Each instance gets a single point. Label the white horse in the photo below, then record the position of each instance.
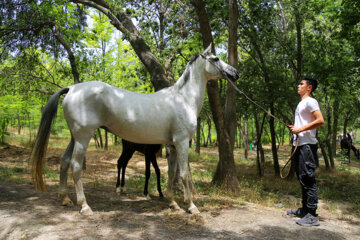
(164, 117)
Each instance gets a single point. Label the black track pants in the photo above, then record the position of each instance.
(306, 160)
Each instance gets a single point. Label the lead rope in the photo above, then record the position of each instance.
(255, 103)
(289, 160)
(271, 115)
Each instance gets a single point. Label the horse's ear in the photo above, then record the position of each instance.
(208, 49)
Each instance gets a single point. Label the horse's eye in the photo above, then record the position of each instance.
(216, 59)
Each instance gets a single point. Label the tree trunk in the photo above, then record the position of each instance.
(19, 124)
(292, 164)
(203, 137)
(282, 135)
(298, 23)
(29, 128)
(208, 141)
(225, 174)
(346, 120)
(244, 134)
(259, 150)
(328, 133)
(106, 140)
(336, 108)
(100, 138)
(328, 145)
(273, 145)
(197, 147)
(230, 104)
(323, 152)
(241, 143)
(97, 145)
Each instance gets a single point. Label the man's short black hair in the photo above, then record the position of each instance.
(311, 81)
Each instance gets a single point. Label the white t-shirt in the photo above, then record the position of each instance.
(303, 116)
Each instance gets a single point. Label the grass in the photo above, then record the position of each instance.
(51, 174)
(12, 174)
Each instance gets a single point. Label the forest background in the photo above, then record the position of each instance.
(144, 46)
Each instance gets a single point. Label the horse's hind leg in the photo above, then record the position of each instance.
(76, 166)
(172, 166)
(64, 167)
(182, 150)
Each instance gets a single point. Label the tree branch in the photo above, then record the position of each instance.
(124, 24)
(70, 53)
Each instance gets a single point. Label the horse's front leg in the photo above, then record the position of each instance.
(182, 150)
(172, 166)
(76, 165)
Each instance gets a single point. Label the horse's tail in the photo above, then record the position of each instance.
(38, 154)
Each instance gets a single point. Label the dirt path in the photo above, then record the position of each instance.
(27, 214)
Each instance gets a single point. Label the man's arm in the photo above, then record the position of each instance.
(319, 121)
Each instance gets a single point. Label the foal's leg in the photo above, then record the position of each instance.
(172, 166)
(64, 167)
(119, 164)
(157, 171)
(76, 166)
(148, 159)
(122, 164)
(182, 150)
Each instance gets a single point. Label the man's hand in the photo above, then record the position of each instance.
(295, 130)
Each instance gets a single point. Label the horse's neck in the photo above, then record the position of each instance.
(191, 86)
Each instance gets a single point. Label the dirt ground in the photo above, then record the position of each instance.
(27, 214)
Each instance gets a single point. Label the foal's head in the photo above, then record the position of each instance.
(216, 69)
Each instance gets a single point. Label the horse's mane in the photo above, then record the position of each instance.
(193, 58)
(186, 74)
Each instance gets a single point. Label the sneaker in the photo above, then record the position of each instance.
(309, 221)
(296, 213)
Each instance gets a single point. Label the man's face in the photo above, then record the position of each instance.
(303, 87)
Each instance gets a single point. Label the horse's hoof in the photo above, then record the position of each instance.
(194, 210)
(67, 202)
(86, 211)
(118, 191)
(173, 205)
(148, 197)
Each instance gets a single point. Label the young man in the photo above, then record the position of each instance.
(308, 118)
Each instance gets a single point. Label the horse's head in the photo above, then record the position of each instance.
(216, 69)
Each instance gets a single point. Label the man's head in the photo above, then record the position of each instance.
(311, 82)
(306, 86)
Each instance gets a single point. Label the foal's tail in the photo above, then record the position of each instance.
(37, 158)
